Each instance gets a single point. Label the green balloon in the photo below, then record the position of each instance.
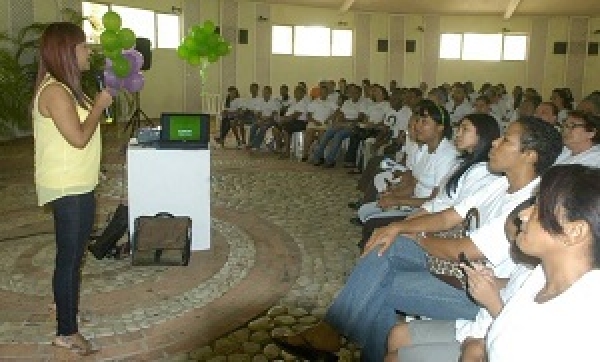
(109, 40)
(126, 38)
(111, 21)
(121, 66)
(112, 54)
(222, 49)
(213, 58)
(209, 26)
(196, 31)
(195, 60)
(183, 52)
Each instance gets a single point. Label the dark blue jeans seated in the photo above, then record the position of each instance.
(73, 222)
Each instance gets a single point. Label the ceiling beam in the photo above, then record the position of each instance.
(346, 5)
(510, 9)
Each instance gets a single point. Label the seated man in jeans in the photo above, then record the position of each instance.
(320, 113)
(393, 274)
(341, 129)
(267, 110)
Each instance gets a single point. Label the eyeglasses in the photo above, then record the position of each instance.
(572, 125)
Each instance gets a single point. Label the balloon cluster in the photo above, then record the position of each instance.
(203, 44)
(123, 62)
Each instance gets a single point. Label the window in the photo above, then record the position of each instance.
(341, 43)
(311, 41)
(282, 39)
(515, 47)
(486, 47)
(450, 45)
(168, 31)
(482, 47)
(163, 30)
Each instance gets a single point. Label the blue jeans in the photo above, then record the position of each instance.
(73, 223)
(257, 133)
(336, 136)
(365, 309)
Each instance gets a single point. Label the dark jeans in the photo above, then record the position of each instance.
(73, 222)
(225, 127)
(358, 135)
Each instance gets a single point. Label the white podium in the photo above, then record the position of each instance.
(173, 181)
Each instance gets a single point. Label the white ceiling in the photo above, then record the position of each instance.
(458, 7)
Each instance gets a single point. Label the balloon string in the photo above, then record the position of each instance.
(202, 70)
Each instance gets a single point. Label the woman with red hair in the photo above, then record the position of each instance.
(67, 164)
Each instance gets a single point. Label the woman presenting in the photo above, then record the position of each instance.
(67, 164)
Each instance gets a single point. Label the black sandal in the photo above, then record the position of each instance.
(305, 350)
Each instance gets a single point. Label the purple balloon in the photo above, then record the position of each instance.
(134, 82)
(111, 81)
(135, 59)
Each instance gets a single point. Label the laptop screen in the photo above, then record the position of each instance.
(185, 128)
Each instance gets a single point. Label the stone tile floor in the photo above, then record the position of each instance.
(281, 249)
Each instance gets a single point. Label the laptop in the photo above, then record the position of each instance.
(184, 130)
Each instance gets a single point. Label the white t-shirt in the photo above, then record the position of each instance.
(376, 112)
(561, 329)
(471, 181)
(478, 328)
(494, 203)
(321, 110)
(333, 97)
(365, 103)
(430, 168)
(397, 120)
(235, 105)
(413, 151)
(267, 108)
(253, 104)
(300, 106)
(350, 109)
(589, 157)
(283, 103)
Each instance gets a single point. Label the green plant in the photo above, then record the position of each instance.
(18, 68)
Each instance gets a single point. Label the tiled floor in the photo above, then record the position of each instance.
(279, 237)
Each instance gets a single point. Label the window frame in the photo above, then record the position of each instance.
(502, 46)
(293, 41)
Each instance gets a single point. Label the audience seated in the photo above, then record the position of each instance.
(459, 106)
(268, 110)
(438, 157)
(440, 340)
(393, 274)
(563, 100)
(581, 138)
(233, 105)
(473, 140)
(321, 113)
(340, 129)
(294, 120)
(248, 112)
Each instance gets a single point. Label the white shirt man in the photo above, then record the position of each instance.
(321, 110)
(267, 108)
(351, 109)
(397, 120)
(300, 106)
(376, 112)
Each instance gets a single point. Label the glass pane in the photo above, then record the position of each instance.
(93, 28)
(482, 46)
(139, 20)
(312, 41)
(515, 47)
(341, 43)
(168, 31)
(450, 45)
(281, 39)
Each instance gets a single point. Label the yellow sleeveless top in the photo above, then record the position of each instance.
(61, 169)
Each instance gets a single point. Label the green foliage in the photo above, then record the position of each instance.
(18, 68)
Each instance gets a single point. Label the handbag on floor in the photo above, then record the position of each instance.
(162, 239)
(450, 271)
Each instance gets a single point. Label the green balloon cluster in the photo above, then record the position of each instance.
(202, 45)
(114, 40)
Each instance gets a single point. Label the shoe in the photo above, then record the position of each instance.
(75, 343)
(320, 342)
(354, 172)
(356, 221)
(349, 165)
(329, 165)
(355, 205)
(304, 159)
(319, 162)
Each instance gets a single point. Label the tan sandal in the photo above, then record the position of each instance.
(75, 343)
